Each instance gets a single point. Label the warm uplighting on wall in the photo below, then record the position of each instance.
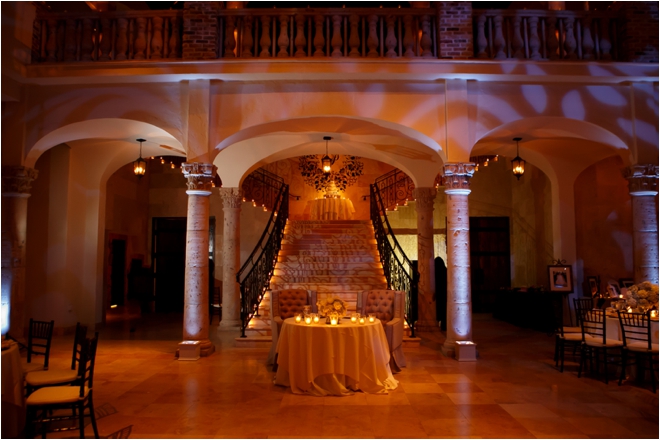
(326, 161)
(518, 163)
(140, 165)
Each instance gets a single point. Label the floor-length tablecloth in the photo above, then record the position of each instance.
(322, 360)
(13, 402)
(613, 330)
(331, 209)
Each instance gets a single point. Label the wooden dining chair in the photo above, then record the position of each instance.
(636, 336)
(566, 337)
(388, 306)
(43, 404)
(596, 344)
(286, 303)
(40, 336)
(59, 376)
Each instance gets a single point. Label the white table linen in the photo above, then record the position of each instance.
(331, 209)
(323, 360)
(613, 329)
(13, 401)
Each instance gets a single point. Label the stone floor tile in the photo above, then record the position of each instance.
(425, 388)
(528, 410)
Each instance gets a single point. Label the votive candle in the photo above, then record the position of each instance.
(353, 319)
(654, 313)
(308, 320)
(372, 318)
(333, 321)
(298, 318)
(362, 320)
(316, 319)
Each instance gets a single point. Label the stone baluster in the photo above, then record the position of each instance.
(498, 42)
(51, 43)
(157, 38)
(175, 38)
(105, 45)
(248, 40)
(482, 42)
(456, 181)
(16, 185)
(390, 39)
(231, 247)
(301, 39)
(643, 186)
(70, 40)
(283, 39)
(122, 39)
(553, 42)
(426, 43)
(408, 39)
(336, 40)
(372, 39)
(604, 42)
(569, 41)
(230, 39)
(265, 41)
(319, 38)
(534, 42)
(354, 38)
(587, 40)
(87, 39)
(141, 38)
(196, 294)
(517, 44)
(424, 200)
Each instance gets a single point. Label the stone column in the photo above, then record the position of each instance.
(456, 181)
(643, 184)
(196, 306)
(16, 181)
(231, 258)
(426, 319)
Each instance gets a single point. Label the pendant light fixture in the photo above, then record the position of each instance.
(518, 164)
(140, 165)
(326, 161)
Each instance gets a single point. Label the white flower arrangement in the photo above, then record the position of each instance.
(643, 296)
(332, 305)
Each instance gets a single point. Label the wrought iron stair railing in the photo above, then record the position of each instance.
(254, 276)
(399, 270)
(262, 188)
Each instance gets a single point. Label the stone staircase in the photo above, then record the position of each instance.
(336, 258)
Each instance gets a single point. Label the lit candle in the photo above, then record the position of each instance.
(629, 310)
(620, 295)
(308, 320)
(298, 318)
(354, 318)
(316, 319)
(654, 313)
(372, 318)
(362, 320)
(333, 321)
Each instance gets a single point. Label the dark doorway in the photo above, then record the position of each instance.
(117, 272)
(490, 260)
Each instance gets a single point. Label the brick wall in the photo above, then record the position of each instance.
(200, 30)
(455, 29)
(638, 31)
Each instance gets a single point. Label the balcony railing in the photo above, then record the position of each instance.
(539, 35)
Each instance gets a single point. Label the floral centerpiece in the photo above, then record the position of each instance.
(331, 305)
(642, 296)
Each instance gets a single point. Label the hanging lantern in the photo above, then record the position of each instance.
(140, 165)
(326, 161)
(518, 164)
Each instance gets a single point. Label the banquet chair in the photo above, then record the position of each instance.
(636, 336)
(59, 376)
(285, 304)
(581, 305)
(595, 342)
(45, 405)
(388, 306)
(565, 336)
(40, 336)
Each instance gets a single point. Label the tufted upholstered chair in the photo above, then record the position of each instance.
(387, 305)
(285, 304)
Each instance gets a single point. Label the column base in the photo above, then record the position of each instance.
(207, 348)
(427, 326)
(229, 326)
(448, 349)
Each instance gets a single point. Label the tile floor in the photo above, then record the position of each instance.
(512, 391)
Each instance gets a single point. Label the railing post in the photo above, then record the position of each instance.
(372, 39)
(336, 36)
(354, 39)
(175, 38)
(157, 38)
(534, 43)
(319, 39)
(553, 42)
(482, 42)
(517, 41)
(300, 41)
(283, 40)
(605, 43)
(51, 45)
(587, 41)
(570, 44)
(140, 40)
(408, 39)
(265, 37)
(230, 39)
(390, 39)
(426, 43)
(499, 41)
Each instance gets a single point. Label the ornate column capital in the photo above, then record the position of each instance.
(456, 178)
(642, 179)
(231, 197)
(424, 198)
(17, 180)
(200, 177)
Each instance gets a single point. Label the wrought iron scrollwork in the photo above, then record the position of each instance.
(261, 188)
(395, 188)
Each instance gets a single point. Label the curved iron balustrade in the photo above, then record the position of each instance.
(254, 276)
(399, 270)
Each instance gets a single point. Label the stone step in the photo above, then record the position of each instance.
(328, 222)
(327, 287)
(325, 258)
(330, 240)
(339, 252)
(329, 247)
(284, 271)
(289, 266)
(328, 279)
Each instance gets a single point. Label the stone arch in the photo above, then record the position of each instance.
(412, 152)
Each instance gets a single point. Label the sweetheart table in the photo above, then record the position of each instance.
(322, 360)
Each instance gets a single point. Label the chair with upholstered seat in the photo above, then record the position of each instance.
(566, 337)
(285, 304)
(58, 376)
(595, 342)
(44, 405)
(388, 306)
(40, 335)
(637, 340)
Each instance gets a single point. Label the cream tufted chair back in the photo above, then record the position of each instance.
(286, 303)
(387, 305)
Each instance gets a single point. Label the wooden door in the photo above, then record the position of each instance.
(168, 256)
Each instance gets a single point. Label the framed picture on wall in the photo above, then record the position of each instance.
(613, 289)
(594, 286)
(561, 278)
(626, 282)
